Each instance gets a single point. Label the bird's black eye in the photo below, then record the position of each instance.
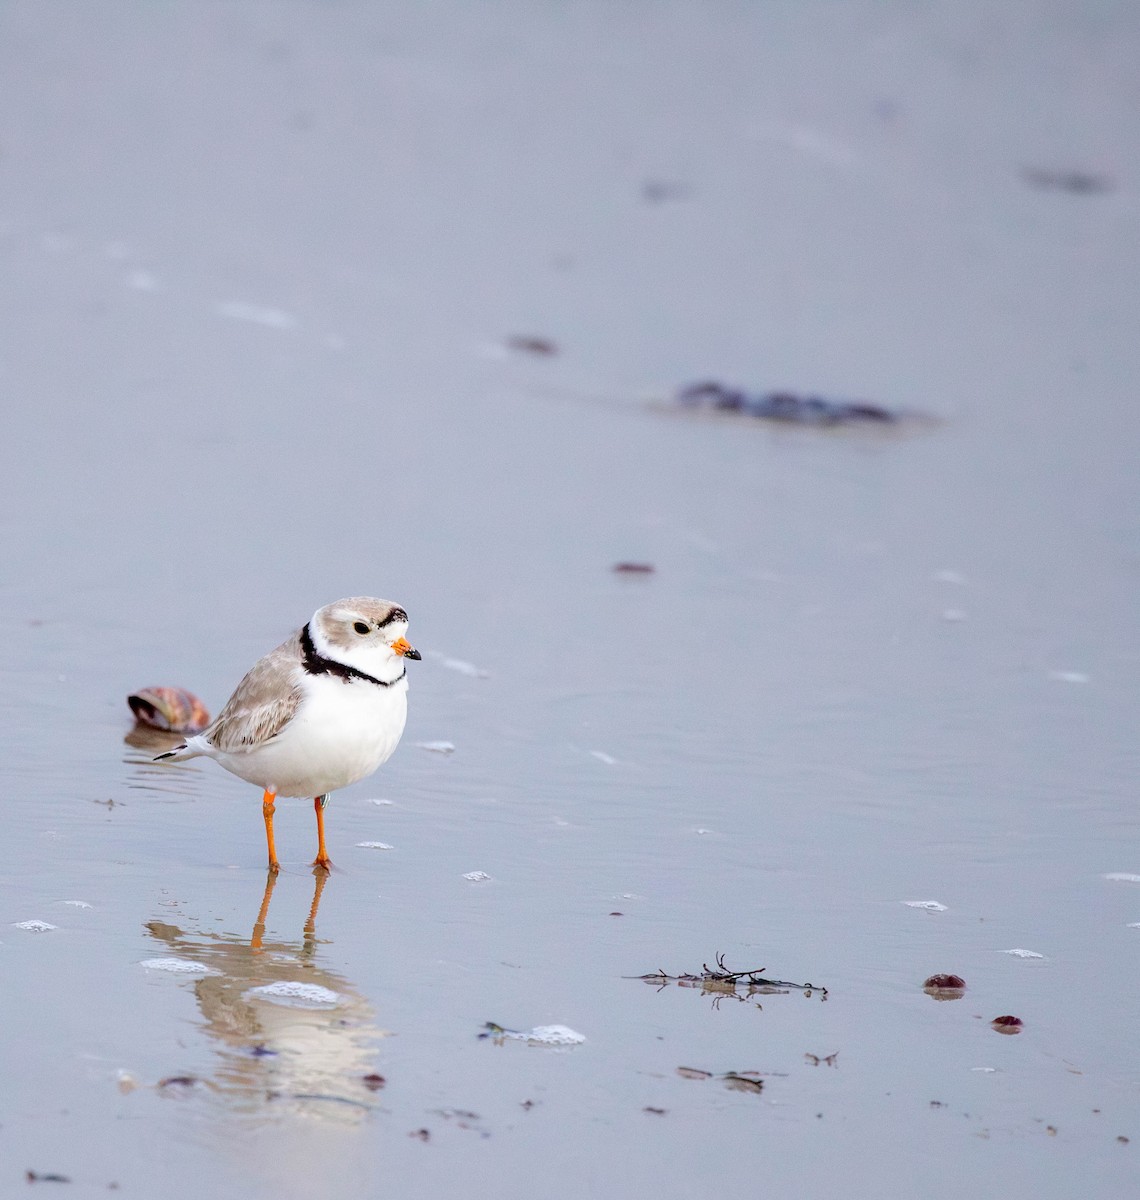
(360, 628)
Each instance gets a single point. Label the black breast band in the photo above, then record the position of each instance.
(318, 664)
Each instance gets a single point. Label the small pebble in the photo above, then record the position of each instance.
(541, 346)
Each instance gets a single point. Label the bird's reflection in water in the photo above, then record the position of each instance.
(293, 1036)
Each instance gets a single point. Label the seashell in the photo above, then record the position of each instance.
(1007, 1024)
(945, 987)
(174, 709)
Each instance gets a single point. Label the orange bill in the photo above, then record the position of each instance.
(401, 647)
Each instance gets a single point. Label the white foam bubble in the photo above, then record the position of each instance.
(295, 995)
(35, 926)
(1122, 877)
(375, 846)
(477, 876)
(176, 966)
(461, 666)
(438, 747)
(1019, 953)
(928, 905)
(554, 1035)
(272, 318)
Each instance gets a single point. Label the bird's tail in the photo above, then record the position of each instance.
(180, 753)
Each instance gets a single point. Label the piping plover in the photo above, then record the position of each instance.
(323, 710)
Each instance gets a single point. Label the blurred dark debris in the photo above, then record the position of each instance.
(463, 1120)
(661, 191)
(743, 1081)
(45, 1177)
(738, 1081)
(1077, 183)
(540, 346)
(787, 407)
(693, 1073)
(721, 979)
(886, 108)
(424, 1135)
(1008, 1024)
(633, 568)
(373, 1082)
(828, 1060)
(945, 987)
(657, 1112)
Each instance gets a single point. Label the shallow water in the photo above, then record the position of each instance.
(260, 268)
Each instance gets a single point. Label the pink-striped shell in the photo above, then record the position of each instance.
(170, 708)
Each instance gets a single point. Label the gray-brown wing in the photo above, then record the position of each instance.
(263, 703)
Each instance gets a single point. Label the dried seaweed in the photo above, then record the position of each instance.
(721, 978)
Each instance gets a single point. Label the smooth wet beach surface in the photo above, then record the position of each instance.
(311, 300)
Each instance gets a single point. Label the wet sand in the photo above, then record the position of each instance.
(262, 269)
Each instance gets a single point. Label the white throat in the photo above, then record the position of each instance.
(372, 658)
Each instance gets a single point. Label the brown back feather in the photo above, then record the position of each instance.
(258, 710)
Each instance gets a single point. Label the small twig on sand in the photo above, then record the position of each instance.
(721, 974)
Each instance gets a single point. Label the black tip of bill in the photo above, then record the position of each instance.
(415, 654)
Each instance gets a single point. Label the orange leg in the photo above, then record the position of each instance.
(263, 912)
(322, 859)
(321, 875)
(268, 808)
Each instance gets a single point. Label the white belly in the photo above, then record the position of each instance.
(341, 733)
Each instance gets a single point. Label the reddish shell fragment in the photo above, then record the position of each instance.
(945, 987)
(173, 709)
(1008, 1024)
